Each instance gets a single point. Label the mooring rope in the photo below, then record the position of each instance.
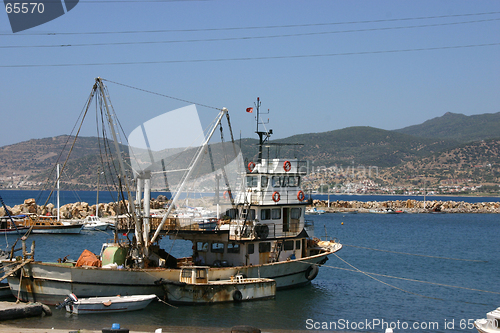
(414, 254)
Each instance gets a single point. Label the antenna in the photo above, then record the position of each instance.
(263, 136)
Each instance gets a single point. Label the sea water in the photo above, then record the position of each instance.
(456, 258)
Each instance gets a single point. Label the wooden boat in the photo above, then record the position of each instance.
(7, 227)
(108, 304)
(49, 224)
(194, 287)
(491, 324)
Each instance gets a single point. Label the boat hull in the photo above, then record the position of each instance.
(110, 304)
(50, 282)
(59, 229)
(222, 291)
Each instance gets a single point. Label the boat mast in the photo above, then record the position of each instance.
(57, 193)
(188, 175)
(263, 136)
(122, 173)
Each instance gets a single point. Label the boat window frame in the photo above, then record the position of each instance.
(233, 248)
(265, 214)
(215, 249)
(251, 248)
(288, 245)
(203, 247)
(252, 181)
(264, 247)
(278, 216)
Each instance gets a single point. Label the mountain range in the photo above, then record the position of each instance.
(450, 142)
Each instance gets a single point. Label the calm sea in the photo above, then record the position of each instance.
(16, 197)
(456, 255)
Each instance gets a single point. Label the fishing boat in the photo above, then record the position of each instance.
(261, 229)
(491, 324)
(194, 287)
(94, 223)
(75, 305)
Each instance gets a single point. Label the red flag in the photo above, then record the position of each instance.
(249, 110)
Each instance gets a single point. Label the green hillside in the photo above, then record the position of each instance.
(458, 127)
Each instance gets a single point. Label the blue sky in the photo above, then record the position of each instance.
(318, 65)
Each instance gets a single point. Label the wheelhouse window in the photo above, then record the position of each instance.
(218, 247)
(265, 214)
(232, 213)
(263, 181)
(288, 245)
(276, 213)
(297, 244)
(296, 212)
(252, 181)
(285, 181)
(250, 248)
(250, 214)
(202, 246)
(233, 248)
(186, 273)
(264, 247)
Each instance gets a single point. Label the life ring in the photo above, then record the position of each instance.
(276, 196)
(287, 166)
(237, 296)
(301, 196)
(312, 272)
(227, 194)
(251, 166)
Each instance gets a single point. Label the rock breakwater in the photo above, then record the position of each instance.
(410, 206)
(80, 210)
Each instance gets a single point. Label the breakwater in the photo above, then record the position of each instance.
(409, 206)
(80, 210)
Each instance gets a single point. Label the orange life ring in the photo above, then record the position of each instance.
(227, 194)
(251, 166)
(301, 196)
(287, 166)
(276, 196)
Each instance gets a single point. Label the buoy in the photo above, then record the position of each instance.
(342, 223)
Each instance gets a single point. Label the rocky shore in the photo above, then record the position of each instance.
(80, 210)
(409, 206)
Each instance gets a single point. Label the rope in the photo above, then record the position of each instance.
(159, 299)
(413, 254)
(162, 95)
(407, 279)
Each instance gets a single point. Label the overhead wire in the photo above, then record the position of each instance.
(254, 58)
(255, 27)
(248, 37)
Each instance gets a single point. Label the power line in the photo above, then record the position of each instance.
(254, 58)
(250, 27)
(250, 37)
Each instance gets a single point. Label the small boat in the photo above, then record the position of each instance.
(491, 324)
(314, 211)
(385, 211)
(194, 287)
(108, 304)
(94, 223)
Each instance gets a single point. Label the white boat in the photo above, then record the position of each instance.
(491, 324)
(194, 287)
(94, 223)
(314, 211)
(261, 231)
(108, 304)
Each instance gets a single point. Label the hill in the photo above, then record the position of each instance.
(475, 163)
(458, 127)
(363, 145)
